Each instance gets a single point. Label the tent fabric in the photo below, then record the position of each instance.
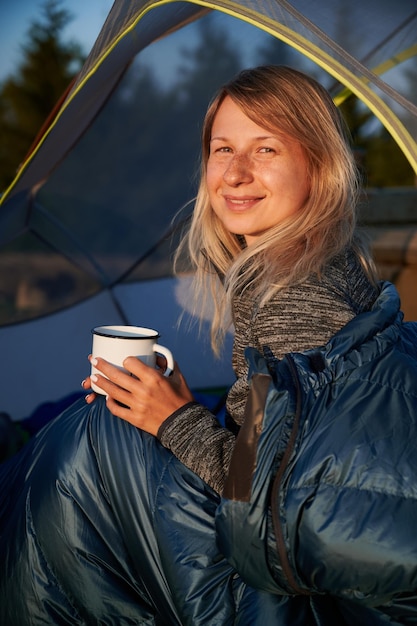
(130, 27)
(87, 206)
(47, 357)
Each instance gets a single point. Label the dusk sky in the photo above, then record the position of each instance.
(16, 17)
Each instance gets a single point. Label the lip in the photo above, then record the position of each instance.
(240, 204)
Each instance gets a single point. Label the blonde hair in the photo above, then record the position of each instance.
(280, 99)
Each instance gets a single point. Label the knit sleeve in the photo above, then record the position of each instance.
(198, 440)
(308, 315)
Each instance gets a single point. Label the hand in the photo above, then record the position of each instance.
(144, 397)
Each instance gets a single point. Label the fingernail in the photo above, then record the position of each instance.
(82, 383)
(94, 378)
(93, 361)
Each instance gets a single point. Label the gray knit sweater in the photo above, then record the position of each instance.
(301, 317)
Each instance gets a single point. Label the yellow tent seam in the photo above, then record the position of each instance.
(380, 69)
(389, 120)
(290, 37)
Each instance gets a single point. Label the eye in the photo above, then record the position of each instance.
(220, 152)
(266, 150)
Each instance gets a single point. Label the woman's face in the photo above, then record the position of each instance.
(255, 178)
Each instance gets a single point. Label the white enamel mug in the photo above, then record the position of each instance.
(115, 343)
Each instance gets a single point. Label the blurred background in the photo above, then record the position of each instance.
(43, 45)
(109, 217)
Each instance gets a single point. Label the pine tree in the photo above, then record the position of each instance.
(28, 97)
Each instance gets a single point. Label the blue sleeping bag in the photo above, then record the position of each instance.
(99, 524)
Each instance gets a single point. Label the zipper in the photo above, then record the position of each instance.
(276, 486)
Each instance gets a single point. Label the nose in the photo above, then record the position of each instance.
(238, 170)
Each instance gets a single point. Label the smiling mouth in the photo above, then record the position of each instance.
(241, 203)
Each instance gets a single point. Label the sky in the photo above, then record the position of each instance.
(16, 17)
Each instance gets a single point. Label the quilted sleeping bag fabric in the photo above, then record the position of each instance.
(100, 524)
(327, 505)
(92, 530)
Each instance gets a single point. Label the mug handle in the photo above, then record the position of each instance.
(168, 355)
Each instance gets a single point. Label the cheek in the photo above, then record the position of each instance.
(212, 180)
(304, 187)
(297, 183)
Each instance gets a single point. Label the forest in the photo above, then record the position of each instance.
(50, 62)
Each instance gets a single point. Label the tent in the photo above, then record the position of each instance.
(88, 226)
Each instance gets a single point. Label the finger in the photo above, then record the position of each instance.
(141, 370)
(119, 409)
(113, 373)
(110, 386)
(113, 391)
(161, 362)
(86, 383)
(115, 382)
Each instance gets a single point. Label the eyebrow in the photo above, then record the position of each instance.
(261, 138)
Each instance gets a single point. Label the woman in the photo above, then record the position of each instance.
(123, 511)
(274, 206)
